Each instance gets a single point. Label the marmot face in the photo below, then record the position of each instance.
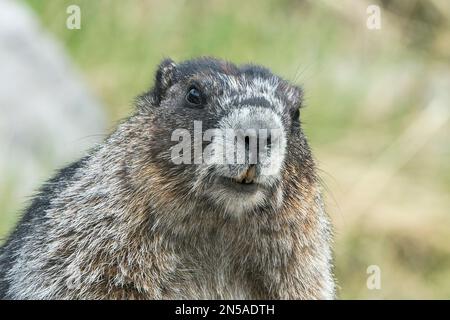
(222, 132)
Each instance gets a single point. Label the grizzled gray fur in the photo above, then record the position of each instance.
(126, 222)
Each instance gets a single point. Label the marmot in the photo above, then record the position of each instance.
(127, 222)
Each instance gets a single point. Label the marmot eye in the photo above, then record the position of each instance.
(194, 96)
(296, 115)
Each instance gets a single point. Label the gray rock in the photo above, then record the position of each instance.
(47, 116)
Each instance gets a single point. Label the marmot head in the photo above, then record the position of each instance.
(225, 134)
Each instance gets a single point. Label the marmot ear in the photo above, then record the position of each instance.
(164, 77)
(293, 93)
(296, 95)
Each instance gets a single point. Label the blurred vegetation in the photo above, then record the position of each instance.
(387, 195)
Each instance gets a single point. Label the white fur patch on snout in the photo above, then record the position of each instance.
(253, 135)
(222, 158)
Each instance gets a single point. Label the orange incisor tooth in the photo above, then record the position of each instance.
(250, 174)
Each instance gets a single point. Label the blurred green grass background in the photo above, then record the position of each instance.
(368, 96)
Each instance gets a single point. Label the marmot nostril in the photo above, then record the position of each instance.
(269, 142)
(261, 141)
(247, 143)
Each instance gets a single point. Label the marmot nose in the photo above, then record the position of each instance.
(266, 142)
(253, 148)
(252, 145)
(253, 136)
